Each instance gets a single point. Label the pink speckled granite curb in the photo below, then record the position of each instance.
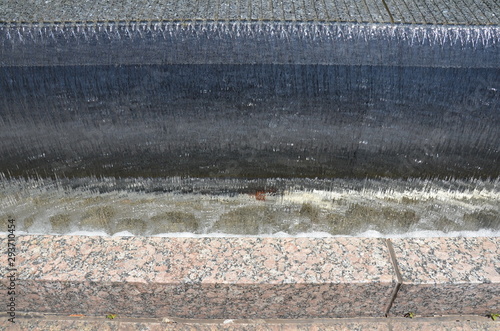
(241, 278)
(442, 276)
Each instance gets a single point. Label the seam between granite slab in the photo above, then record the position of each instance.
(392, 257)
(388, 11)
(443, 276)
(398, 275)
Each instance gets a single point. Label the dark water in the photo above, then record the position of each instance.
(250, 121)
(249, 128)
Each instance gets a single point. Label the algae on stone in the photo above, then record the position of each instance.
(98, 218)
(251, 220)
(174, 221)
(340, 225)
(484, 219)
(60, 223)
(310, 211)
(28, 222)
(389, 219)
(133, 225)
(92, 200)
(4, 222)
(359, 218)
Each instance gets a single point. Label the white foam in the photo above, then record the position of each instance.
(123, 234)
(366, 234)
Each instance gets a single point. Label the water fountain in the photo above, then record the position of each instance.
(250, 160)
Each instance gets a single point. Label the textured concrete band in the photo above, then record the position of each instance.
(478, 12)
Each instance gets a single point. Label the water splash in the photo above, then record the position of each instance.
(242, 42)
(273, 207)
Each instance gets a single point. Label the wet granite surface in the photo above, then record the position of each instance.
(448, 276)
(204, 278)
(238, 278)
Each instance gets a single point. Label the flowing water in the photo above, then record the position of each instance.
(298, 207)
(250, 128)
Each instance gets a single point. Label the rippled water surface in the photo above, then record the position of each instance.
(293, 207)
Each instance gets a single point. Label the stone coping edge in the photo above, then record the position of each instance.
(253, 278)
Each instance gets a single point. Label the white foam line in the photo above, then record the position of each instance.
(366, 234)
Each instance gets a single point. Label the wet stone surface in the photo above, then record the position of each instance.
(204, 278)
(448, 275)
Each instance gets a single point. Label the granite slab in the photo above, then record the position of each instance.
(203, 278)
(443, 276)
